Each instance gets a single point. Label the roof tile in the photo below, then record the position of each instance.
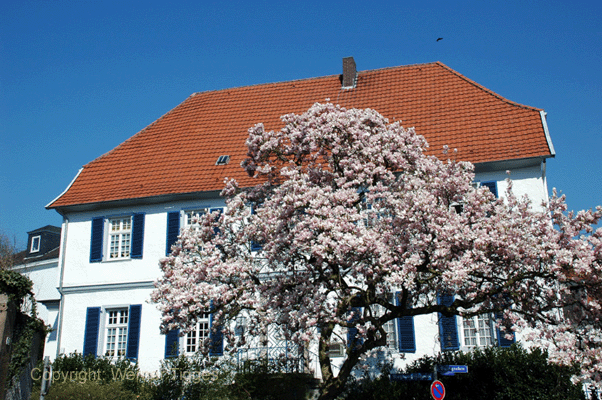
(177, 153)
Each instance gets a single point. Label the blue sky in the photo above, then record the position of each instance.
(79, 77)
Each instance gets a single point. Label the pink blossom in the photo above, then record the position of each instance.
(348, 209)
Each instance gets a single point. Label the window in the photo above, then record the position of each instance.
(117, 329)
(222, 160)
(177, 219)
(475, 332)
(35, 244)
(120, 232)
(400, 331)
(389, 326)
(194, 340)
(187, 216)
(117, 238)
(113, 331)
(336, 350)
(478, 331)
(196, 337)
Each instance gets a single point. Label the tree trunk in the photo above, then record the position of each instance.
(331, 389)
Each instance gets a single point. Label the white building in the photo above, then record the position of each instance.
(123, 210)
(40, 263)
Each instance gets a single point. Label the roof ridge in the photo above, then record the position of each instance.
(308, 79)
(483, 88)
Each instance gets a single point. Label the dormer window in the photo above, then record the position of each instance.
(223, 160)
(35, 244)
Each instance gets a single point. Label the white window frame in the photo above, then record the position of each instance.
(115, 331)
(389, 326)
(478, 331)
(119, 241)
(35, 244)
(187, 216)
(336, 349)
(194, 340)
(188, 213)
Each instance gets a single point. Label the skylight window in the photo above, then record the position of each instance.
(222, 160)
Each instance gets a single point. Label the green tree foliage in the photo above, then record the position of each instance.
(15, 285)
(493, 373)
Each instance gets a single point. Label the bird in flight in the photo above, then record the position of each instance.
(439, 39)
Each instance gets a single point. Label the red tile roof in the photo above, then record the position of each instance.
(177, 153)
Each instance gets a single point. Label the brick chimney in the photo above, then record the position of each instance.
(349, 73)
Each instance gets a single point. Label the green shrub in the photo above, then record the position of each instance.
(105, 369)
(193, 378)
(189, 378)
(93, 390)
(493, 373)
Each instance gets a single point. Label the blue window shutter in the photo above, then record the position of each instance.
(492, 186)
(255, 246)
(216, 339)
(131, 351)
(216, 230)
(173, 230)
(91, 331)
(137, 235)
(96, 239)
(406, 336)
(172, 343)
(352, 340)
(501, 339)
(448, 327)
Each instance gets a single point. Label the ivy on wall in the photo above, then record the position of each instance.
(19, 289)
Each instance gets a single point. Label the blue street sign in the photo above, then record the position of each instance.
(451, 370)
(416, 376)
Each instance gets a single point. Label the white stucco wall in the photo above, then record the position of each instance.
(116, 283)
(80, 271)
(45, 278)
(529, 181)
(125, 282)
(152, 343)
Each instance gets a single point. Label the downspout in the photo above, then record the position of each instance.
(545, 181)
(60, 288)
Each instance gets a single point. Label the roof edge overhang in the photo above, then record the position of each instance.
(32, 263)
(49, 205)
(166, 198)
(510, 164)
(138, 201)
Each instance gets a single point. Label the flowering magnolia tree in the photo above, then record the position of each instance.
(348, 210)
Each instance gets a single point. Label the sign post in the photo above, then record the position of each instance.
(438, 390)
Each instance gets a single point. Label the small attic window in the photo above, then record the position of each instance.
(35, 244)
(222, 160)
